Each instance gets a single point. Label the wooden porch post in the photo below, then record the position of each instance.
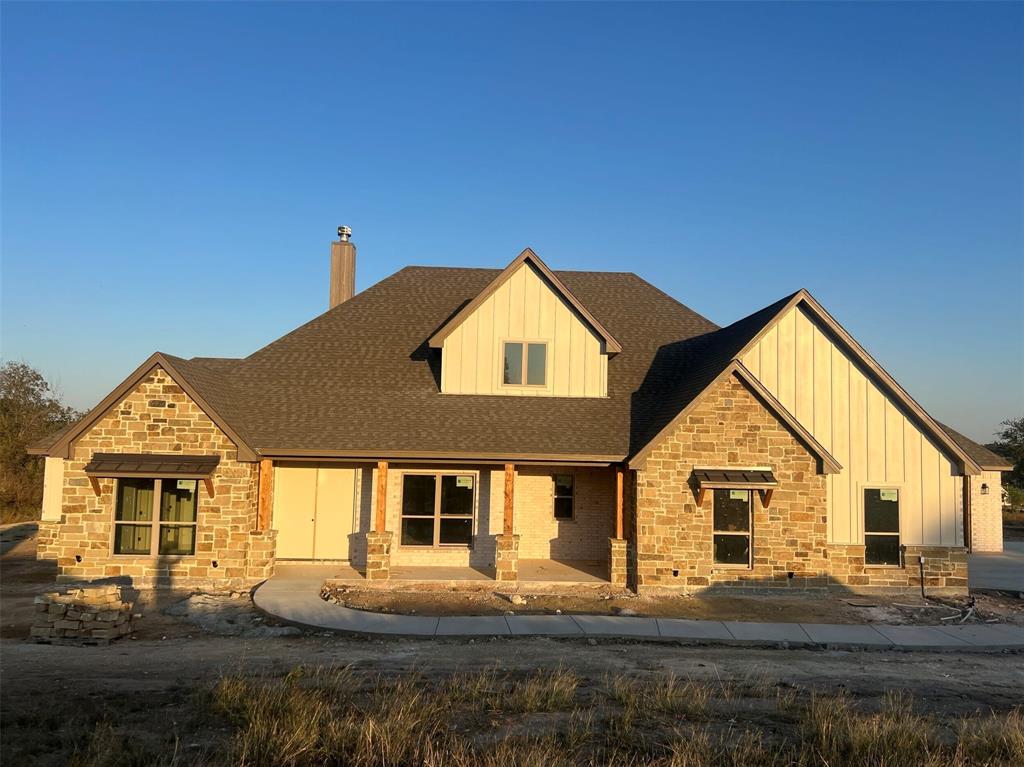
(266, 499)
(618, 501)
(510, 485)
(382, 497)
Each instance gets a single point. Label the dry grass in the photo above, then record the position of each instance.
(333, 716)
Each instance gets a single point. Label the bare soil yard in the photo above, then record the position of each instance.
(598, 600)
(211, 686)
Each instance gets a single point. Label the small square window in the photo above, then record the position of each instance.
(524, 364)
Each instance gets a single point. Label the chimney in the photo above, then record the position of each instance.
(343, 268)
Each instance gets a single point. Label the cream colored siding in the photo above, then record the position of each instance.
(864, 429)
(53, 486)
(524, 308)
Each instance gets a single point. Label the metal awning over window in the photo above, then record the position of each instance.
(762, 480)
(151, 465)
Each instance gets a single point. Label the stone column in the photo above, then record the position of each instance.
(617, 561)
(378, 556)
(506, 557)
(262, 550)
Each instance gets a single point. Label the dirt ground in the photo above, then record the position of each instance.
(600, 600)
(52, 698)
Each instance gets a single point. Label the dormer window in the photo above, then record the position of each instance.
(525, 363)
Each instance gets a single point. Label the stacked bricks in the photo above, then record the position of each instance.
(617, 561)
(987, 512)
(378, 556)
(945, 570)
(158, 417)
(86, 615)
(730, 427)
(506, 558)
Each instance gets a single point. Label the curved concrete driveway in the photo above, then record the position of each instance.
(297, 600)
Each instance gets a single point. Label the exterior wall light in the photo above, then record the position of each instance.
(984, 489)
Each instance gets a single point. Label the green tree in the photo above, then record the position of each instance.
(1010, 445)
(29, 410)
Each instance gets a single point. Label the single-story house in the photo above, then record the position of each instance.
(493, 418)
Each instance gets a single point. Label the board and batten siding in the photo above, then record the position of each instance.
(864, 429)
(524, 308)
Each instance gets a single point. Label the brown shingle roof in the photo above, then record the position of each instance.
(984, 457)
(361, 376)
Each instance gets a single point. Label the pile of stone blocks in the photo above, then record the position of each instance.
(82, 615)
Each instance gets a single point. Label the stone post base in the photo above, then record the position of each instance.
(617, 561)
(378, 556)
(506, 557)
(262, 548)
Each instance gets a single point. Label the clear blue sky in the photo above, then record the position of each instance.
(172, 174)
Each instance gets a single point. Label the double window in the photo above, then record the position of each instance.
(525, 364)
(156, 517)
(437, 509)
(565, 494)
(731, 527)
(882, 527)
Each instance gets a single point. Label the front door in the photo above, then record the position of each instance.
(313, 510)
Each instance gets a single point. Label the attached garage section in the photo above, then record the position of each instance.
(314, 510)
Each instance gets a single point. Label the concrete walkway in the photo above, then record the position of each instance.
(297, 600)
(998, 572)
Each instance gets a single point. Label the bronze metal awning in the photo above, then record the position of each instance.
(151, 465)
(762, 480)
(737, 479)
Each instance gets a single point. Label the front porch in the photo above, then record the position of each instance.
(508, 524)
(533, 572)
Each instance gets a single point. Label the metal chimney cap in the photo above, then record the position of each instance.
(344, 232)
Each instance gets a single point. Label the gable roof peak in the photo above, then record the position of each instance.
(611, 345)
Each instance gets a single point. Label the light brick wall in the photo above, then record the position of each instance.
(158, 417)
(585, 537)
(541, 536)
(987, 512)
(731, 427)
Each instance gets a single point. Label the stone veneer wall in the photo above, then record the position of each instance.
(732, 427)
(158, 417)
(987, 512)
(47, 540)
